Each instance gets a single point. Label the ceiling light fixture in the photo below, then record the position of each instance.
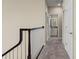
(59, 4)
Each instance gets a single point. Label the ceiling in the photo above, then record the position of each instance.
(54, 2)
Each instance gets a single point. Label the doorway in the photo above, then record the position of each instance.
(54, 22)
(54, 26)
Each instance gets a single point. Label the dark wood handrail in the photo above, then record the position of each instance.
(15, 45)
(24, 29)
(20, 41)
(39, 52)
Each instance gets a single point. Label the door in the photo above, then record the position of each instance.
(67, 27)
(54, 25)
(67, 35)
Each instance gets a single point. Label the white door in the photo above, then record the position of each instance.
(67, 28)
(68, 33)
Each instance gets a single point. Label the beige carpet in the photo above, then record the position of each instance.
(54, 49)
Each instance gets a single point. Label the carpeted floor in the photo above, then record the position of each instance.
(54, 49)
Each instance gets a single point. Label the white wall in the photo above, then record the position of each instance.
(47, 24)
(37, 41)
(57, 11)
(67, 27)
(20, 14)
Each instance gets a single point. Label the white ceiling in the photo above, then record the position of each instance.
(54, 2)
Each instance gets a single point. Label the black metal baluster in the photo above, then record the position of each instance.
(29, 44)
(21, 37)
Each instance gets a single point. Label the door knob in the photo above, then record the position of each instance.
(70, 33)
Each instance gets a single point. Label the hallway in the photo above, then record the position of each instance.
(28, 25)
(54, 49)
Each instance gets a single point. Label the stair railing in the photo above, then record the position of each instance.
(19, 43)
